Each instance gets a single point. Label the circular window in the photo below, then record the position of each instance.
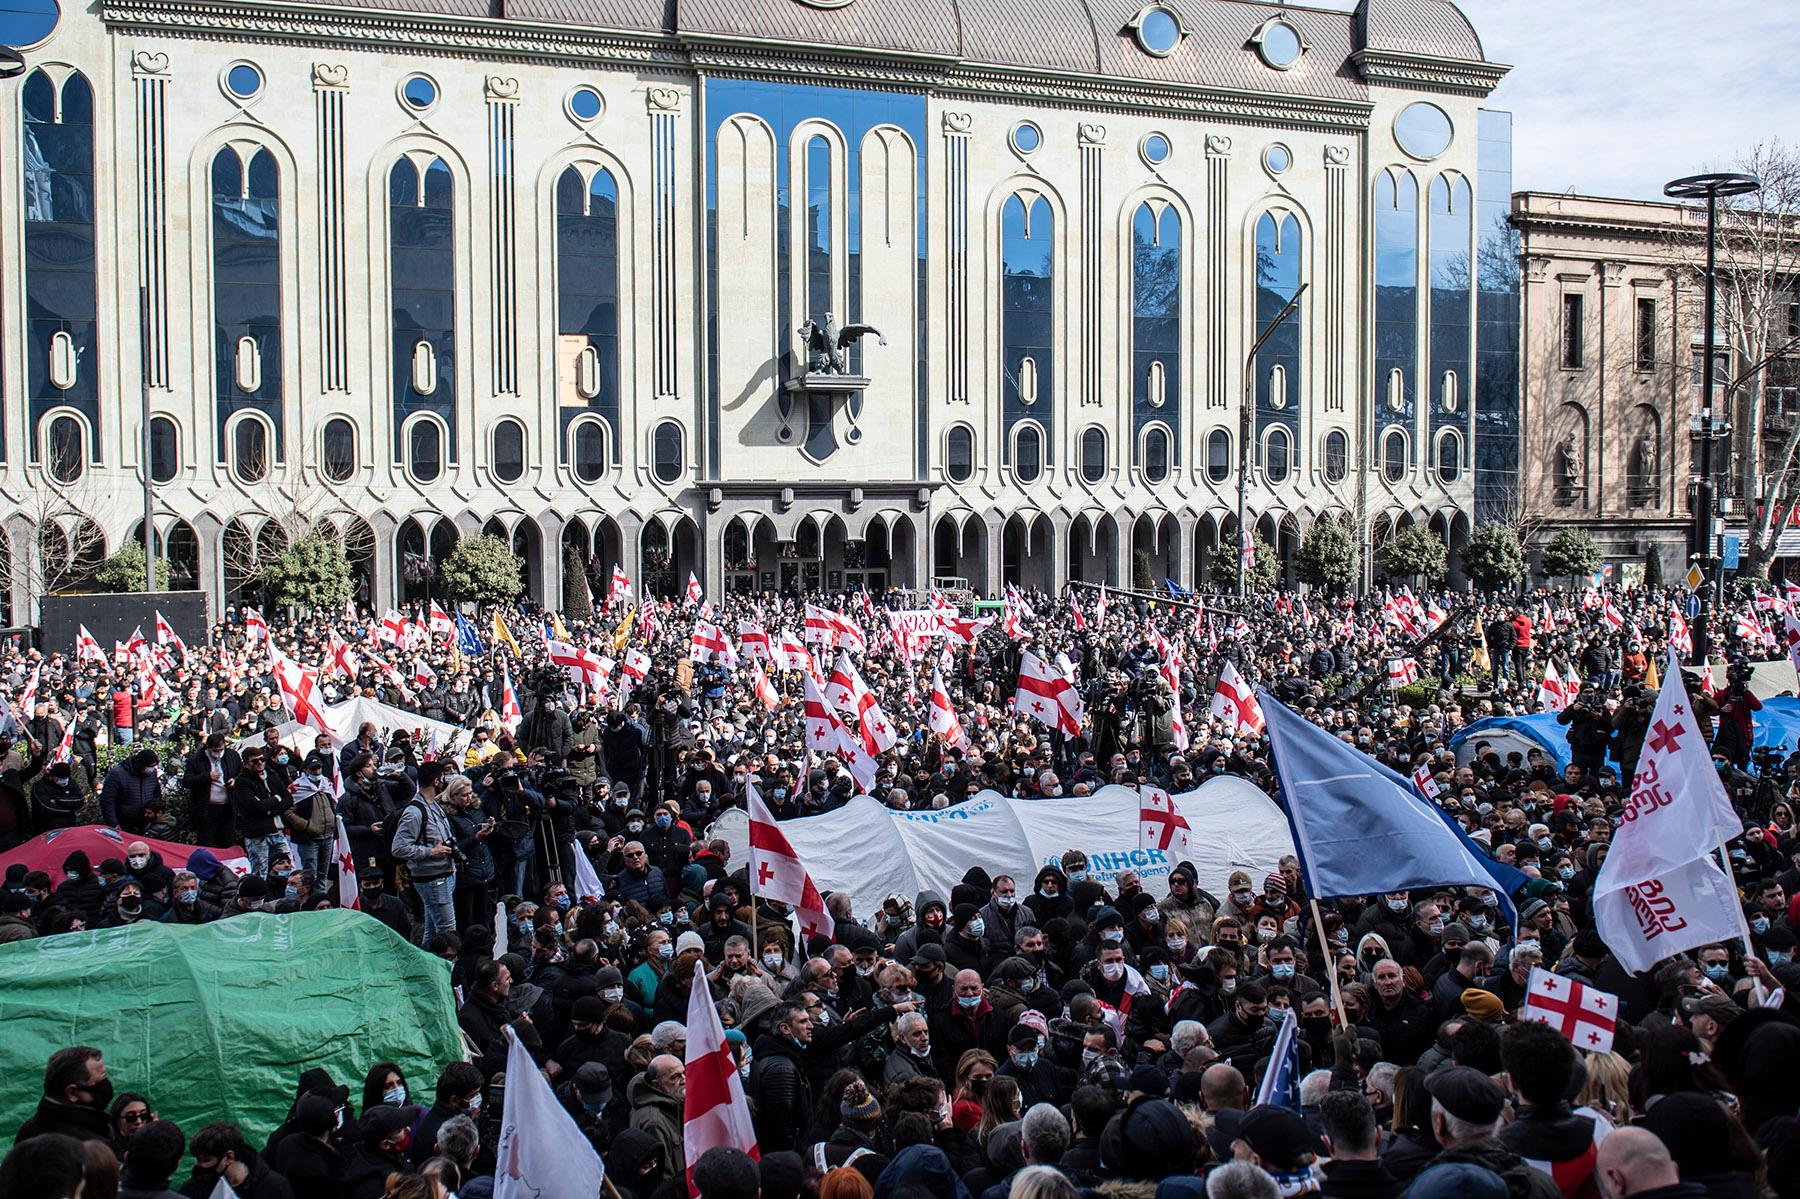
(1026, 137)
(243, 81)
(27, 22)
(585, 105)
(418, 92)
(1280, 45)
(1156, 149)
(1277, 159)
(1423, 129)
(1158, 31)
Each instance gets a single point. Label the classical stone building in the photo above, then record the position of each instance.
(538, 267)
(1611, 353)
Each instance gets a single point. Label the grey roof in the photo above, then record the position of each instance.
(1434, 27)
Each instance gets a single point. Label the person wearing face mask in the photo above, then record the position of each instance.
(383, 1137)
(1386, 917)
(970, 1023)
(129, 906)
(458, 1093)
(76, 1096)
(588, 1098)
(1049, 898)
(1028, 1066)
(965, 940)
(129, 787)
(1000, 917)
(57, 797)
(1187, 903)
(307, 1157)
(933, 915)
(81, 890)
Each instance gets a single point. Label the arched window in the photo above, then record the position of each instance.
(67, 449)
(959, 458)
(666, 452)
(1278, 258)
(1093, 454)
(338, 441)
(1156, 453)
(1278, 451)
(250, 450)
(1028, 453)
(1396, 293)
(425, 450)
(818, 227)
(1452, 290)
(1155, 312)
(57, 169)
(1449, 456)
(246, 249)
(1218, 456)
(1393, 456)
(1337, 456)
(589, 451)
(165, 449)
(422, 266)
(509, 451)
(1027, 309)
(587, 285)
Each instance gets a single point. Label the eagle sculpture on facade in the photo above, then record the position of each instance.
(825, 343)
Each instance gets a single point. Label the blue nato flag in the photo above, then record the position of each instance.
(1361, 829)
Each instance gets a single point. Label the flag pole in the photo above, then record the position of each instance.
(1331, 978)
(1731, 880)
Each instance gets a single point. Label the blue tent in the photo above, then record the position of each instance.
(1522, 733)
(1778, 723)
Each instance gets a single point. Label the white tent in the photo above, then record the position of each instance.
(349, 717)
(872, 851)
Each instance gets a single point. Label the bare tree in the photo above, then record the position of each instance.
(1758, 270)
(285, 506)
(64, 518)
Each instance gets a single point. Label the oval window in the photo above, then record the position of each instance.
(339, 444)
(1218, 456)
(1028, 454)
(1393, 456)
(959, 460)
(1156, 386)
(1278, 386)
(425, 448)
(1337, 456)
(1156, 454)
(1277, 450)
(1396, 390)
(248, 364)
(1093, 454)
(62, 360)
(1280, 45)
(250, 450)
(165, 450)
(68, 449)
(27, 21)
(1158, 32)
(1449, 464)
(666, 452)
(1028, 381)
(587, 372)
(1278, 158)
(424, 368)
(509, 451)
(1447, 391)
(590, 451)
(1423, 129)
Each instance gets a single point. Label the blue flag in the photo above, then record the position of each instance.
(1361, 829)
(1281, 1081)
(468, 641)
(1175, 589)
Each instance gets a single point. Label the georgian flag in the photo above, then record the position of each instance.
(1047, 696)
(1553, 694)
(694, 592)
(1586, 1015)
(1610, 614)
(763, 689)
(942, 716)
(1680, 639)
(777, 873)
(1160, 823)
(166, 634)
(300, 693)
(1234, 701)
(28, 697)
(1075, 617)
(826, 627)
(423, 674)
(715, 1114)
(620, 590)
(255, 627)
(441, 623)
(339, 657)
(753, 639)
(1402, 671)
(348, 894)
(633, 670)
(846, 687)
(510, 713)
(826, 734)
(795, 656)
(582, 666)
(392, 628)
(1423, 780)
(710, 644)
(87, 648)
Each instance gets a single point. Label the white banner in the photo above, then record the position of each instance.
(918, 622)
(871, 851)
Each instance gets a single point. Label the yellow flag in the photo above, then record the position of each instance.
(504, 636)
(1652, 679)
(1480, 656)
(622, 633)
(562, 630)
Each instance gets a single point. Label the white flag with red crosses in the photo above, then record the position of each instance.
(1586, 1015)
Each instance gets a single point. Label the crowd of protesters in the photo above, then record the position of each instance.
(1016, 1038)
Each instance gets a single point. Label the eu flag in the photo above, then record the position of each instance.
(1281, 1080)
(1361, 829)
(468, 641)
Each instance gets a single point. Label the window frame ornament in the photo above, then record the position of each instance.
(1260, 40)
(1150, 160)
(406, 101)
(231, 93)
(1136, 28)
(1414, 152)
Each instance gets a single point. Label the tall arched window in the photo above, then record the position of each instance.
(422, 266)
(959, 459)
(62, 344)
(1452, 296)
(250, 450)
(509, 451)
(587, 291)
(338, 443)
(67, 449)
(818, 228)
(1279, 247)
(1027, 311)
(1218, 456)
(589, 451)
(1278, 455)
(165, 450)
(1156, 453)
(1093, 454)
(1337, 456)
(666, 452)
(1156, 316)
(246, 249)
(425, 450)
(1396, 294)
(1028, 453)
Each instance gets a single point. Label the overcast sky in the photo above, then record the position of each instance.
(1616, 97)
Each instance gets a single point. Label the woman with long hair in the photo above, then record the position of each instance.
(974, 1074)
(1412, 1145)
(1608, 1087)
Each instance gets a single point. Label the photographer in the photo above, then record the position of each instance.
(1737, 707)
(516, 807)
(1590, 730)
(1630, 722)
(626, 746)
(471, 829)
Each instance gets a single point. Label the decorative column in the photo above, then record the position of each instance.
(1218, 241)
(1093, 148)
(150, 84)
(956, 127)
(1337, 223)
(330, 84)
(502, 114)
(664, 104)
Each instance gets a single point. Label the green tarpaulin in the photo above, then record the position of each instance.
(216, 1021)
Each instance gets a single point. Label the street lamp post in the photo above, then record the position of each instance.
(1247, 431)
(1703, 535)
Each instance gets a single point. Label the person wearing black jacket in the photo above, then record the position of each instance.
(366, 815)
(782, 1062)
(57, 797)
(259, 809)
(207, 778)
(312, 1165)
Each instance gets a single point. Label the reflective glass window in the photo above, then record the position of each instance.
(818, 228)
(1155, 313)
(1027, 305)
(1396, 294)
(590, 451)
(1028, 459)
(1393, 456)
(1218, 456)
(422, 274)
(509, 451)
(1156, 453)
(57, 177)
(1093, 454)
(585, 103)
(1281, 45)
(250, 450)
(1337, 456)
(1449, 463)
(244, 81)
(165, 449)
(246, 246)
(1452, 295)
(339, 444)
(426, 450)
(1278, 455)
(1158, 31)
(1423, 129)
(68, 451)
(1279, 250)
(666, 452)
(959, 464)
(27, 21)
(587, 283)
